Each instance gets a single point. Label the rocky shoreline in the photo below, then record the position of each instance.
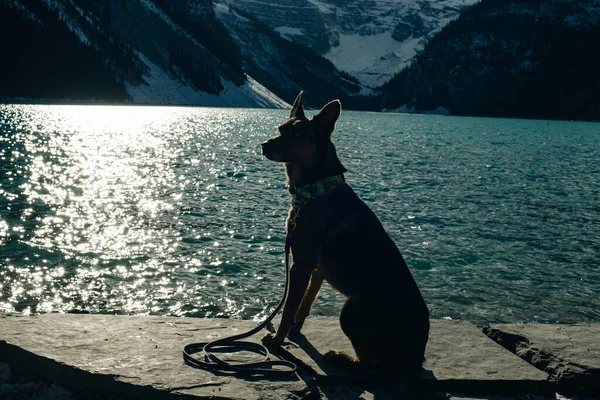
(121, 357)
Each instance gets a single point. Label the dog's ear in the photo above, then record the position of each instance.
(297, 108)
(324, 121)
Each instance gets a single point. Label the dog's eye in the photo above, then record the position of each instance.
(297, 134)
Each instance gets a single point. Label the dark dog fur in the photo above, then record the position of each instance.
(337, 238)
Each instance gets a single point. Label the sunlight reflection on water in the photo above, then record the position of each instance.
(117, 208)
(171, 210)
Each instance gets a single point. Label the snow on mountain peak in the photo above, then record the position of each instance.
(371, 40)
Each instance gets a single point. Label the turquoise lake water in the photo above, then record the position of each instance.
(173, 211)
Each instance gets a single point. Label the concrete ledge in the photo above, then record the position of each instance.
(140, 357)
(570, 354)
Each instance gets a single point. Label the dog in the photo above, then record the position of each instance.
(337, 238)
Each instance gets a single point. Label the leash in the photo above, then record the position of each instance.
(300, 197)
(232, 344)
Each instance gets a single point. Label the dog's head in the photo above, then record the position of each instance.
(301, 141)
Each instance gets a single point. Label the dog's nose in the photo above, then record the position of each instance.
(263, 146)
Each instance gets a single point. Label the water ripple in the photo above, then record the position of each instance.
(165, 210)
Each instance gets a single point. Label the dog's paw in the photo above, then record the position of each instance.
(271, 340)
(340, 359)
(343, 360)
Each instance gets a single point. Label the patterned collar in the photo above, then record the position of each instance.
(301, 195)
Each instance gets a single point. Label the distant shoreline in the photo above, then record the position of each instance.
(67, 102)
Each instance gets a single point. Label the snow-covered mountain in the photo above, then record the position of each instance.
(369, 39)
(467, 57)
(140, 51)
(285, 67)
(250, 53)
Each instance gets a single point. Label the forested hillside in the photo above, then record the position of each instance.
(508, 58)
(140, 51)
(42, 58)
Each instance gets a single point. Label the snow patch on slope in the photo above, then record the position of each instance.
(262, 95)
(373, 59)
(221, 9)
(162, 88)
(324, 8)
(286, 31)
(371, 40)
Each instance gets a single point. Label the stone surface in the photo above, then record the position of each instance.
(467, 397)
(570, 354)
(459, 358)
(141, 357)
(131, 356)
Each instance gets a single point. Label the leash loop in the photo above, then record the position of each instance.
(232, 344)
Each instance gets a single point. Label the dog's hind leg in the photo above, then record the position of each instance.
(381, 347)
(316, 280)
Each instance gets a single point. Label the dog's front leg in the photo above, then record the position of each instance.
(297, 285)
(316, 280)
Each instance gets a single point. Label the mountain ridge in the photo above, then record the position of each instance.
(505, 58)
(135, 48)
(370, 40)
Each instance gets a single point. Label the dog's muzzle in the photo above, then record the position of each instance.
(268, 150)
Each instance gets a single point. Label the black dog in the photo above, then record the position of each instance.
(337, 238)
